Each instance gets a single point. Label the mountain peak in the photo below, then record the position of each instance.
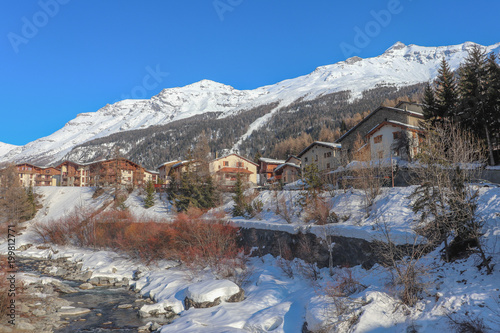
(397, 46)
(207, 84)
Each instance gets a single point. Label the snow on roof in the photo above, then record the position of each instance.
(287, 164)
(166, 163)
(415, 113)
(271, 161)
(243, 158)
(393, 122)
(331, 145)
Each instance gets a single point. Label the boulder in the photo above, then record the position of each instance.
(211, 293)
(86, 286)
(72, 311)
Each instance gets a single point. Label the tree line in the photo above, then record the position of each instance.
(469, 96)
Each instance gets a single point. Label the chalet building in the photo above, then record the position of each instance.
(118, 170)
(151, 176)
(164, 171)
(287, 173)
(32, 175)
(266, 169)
(326, 156)
(183, 166)
(379, 126)
(226, 169)
(71, 174)
(393, 139)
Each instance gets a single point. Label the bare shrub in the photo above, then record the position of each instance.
(345, 284)
(285, 257)
(203, 243)
(308, 267)
(283, 210)
(368, 173)
(319, 210)
(450, 158)
(467, 324)
(404, 265)
(343, 310)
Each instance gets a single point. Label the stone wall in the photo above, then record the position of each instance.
(346, 251)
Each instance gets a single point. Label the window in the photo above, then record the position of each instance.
(380, 154)
(225, 163)
(305, 159)
(328, 165)
(316, 158)
(396, 135)
(239, 164)
(377, 139)
(328, 154)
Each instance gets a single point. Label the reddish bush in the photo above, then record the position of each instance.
(196, 242)
(207, 243)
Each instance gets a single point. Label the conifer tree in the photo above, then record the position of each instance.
(239, 198)
(474, 104)
(149, 201)
(32, 200)
(431, 107)
(446, 91)
(492, 116)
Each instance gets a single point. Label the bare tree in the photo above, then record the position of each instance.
(14, 204)
(450, 158)
(368, 173)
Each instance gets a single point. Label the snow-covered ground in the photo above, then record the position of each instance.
(277, 302)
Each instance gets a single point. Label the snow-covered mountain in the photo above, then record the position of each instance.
(401, 65)
(5, 148)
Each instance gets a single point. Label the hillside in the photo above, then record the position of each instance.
(400, 66)
(282, 296)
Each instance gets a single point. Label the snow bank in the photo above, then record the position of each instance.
(209, 291)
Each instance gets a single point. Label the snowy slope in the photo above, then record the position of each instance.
(276, 302)
(5, 148)
(400, 65)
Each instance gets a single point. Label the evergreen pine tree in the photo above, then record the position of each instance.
(492, 116)
(473, 86)
(31, 198)
(431, 107)
(239, 198)
(149, 201)
(446, 92)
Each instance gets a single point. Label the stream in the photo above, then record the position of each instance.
(105, 315)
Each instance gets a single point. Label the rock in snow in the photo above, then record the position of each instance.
(210, 293)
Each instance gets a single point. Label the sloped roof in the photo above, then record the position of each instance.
(271, 160)
(293, 165)
(243, 158)
(396, 109)
(394, 123)
(330, 145)
(234, 170)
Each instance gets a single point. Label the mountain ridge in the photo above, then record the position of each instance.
(400, 65)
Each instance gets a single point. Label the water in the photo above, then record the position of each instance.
(100, 300)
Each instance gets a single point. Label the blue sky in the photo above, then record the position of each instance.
(64, 57)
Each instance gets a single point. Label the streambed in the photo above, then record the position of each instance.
(112, 309)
